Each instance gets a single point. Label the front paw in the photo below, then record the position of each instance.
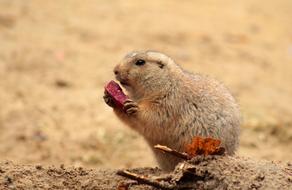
(130, 107)
(108, 100)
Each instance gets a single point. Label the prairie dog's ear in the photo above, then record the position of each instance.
(160, 64)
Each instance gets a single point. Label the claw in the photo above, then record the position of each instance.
(132, 111)
(130, 107)
(108, 100)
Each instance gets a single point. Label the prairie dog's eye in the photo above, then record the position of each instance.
(140, 62)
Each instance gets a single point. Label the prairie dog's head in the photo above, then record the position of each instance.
(144, 71)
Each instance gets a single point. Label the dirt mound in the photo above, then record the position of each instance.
(13, 176)
(236, 173)
(211, 172)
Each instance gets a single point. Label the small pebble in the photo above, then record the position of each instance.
(38, 167)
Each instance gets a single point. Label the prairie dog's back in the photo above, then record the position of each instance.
(197, 106)
(216, 113)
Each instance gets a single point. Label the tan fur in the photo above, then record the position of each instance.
(174, 105)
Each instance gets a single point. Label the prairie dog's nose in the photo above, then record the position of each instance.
(116, 70)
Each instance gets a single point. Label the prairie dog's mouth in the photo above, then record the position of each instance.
(123, 82)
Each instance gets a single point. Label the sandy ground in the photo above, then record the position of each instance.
(56, 56)
(211, 172)
(37, 177)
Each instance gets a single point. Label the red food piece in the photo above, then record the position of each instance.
(116, 93)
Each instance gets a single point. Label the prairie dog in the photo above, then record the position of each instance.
(169, 106)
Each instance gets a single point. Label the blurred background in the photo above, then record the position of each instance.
(56, 56)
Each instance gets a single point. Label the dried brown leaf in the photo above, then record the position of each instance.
(204, 146)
